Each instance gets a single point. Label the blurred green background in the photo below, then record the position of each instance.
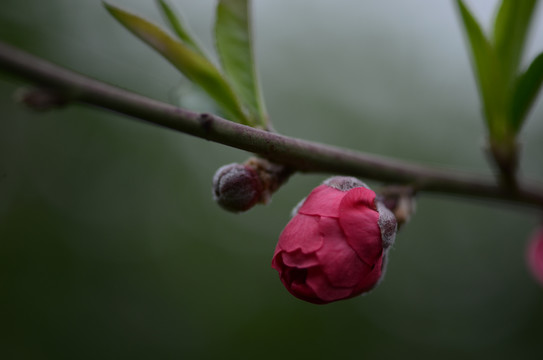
(111, 246)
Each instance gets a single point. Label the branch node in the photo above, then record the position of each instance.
(40, 99)
(206, 122)
(400, 200)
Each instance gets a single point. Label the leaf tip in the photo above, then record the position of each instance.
(462, 8)
(110, 8)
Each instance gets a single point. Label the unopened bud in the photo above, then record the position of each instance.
(237, 187)
(336, 245)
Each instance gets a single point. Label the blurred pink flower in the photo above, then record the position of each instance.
(535, 255)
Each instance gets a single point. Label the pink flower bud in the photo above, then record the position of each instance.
(535, 255)
(237, 187)
(335, 246)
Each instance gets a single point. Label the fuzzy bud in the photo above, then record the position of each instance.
(335, 246)
(237, 187)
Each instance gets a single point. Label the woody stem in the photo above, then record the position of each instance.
(304, 156)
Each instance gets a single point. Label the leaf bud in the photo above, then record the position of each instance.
(237, 187)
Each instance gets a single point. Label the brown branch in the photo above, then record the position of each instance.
(302, 155)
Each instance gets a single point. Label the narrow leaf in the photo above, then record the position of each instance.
(528, 86)
(178, 27)
(510, 30)
(486, 70)
(192, 64)
(233, 37)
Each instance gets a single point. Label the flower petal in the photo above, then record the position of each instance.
(294, 280)
(359, 220)
(340, 264)
(302, 232)
(372, 279)
(323, 289)
(300, 260)
(323, 201)
(304, 292)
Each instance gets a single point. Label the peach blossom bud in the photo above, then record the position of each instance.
(237, 187)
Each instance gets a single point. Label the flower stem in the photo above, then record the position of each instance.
(304, 156)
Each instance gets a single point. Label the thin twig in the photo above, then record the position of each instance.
(302, 155)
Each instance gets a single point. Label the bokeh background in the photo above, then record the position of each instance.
(111, 246)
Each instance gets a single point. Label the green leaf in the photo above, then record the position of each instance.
(487, 71)
(233, 37)
(510, 30)
(528, 86)
(178, 27)
(192, 64)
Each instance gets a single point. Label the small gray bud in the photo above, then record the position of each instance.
(237, 187)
